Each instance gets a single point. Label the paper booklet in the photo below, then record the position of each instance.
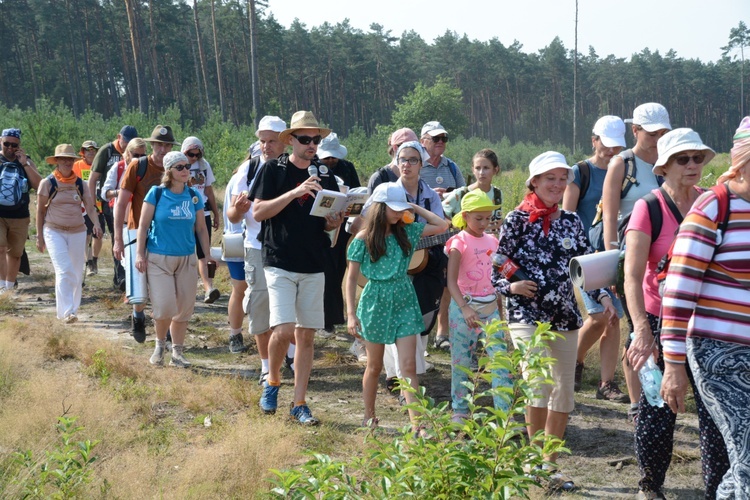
(329, 202)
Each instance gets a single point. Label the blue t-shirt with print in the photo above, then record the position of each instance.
(173, 223)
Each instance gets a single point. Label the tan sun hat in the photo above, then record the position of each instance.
(63, 151)
(302, 120)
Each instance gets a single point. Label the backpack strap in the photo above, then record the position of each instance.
(252, 169)
(140, 173)
(585, 170)
(53, 188)
(629, 180)
(454, 169)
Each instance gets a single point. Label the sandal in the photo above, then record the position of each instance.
(442, 343)
(371, 424)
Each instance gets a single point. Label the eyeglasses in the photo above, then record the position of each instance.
(411, 161)
(306, 139)
(684, 160)
(440, 138)
(11, 144)
(180, 168)
(194, 155)
(138, 155)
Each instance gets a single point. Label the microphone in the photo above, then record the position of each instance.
(312, 171)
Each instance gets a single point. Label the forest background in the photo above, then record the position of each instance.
(79, 69)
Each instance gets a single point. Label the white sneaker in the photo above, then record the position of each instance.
(70, 318)
(324, 334)
(358, 351)
(157, 358)
(178, 358)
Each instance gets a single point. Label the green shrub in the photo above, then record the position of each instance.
(488, 456)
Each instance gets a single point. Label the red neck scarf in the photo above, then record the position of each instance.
(538, 210)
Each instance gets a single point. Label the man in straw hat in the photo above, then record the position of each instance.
(294, 250)
(140, 176)
(14, 214)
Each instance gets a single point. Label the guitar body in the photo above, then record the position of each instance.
(418, 261)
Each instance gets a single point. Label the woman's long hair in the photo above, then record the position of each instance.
(375, 227)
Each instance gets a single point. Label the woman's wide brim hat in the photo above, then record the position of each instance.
(63, 151)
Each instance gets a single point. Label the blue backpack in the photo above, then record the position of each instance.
(13, 184)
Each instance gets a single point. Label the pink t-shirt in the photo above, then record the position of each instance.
(640, 221)
(475, 270)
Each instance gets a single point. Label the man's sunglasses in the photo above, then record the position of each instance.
(440, 138)
(306, 139)
(11, 144)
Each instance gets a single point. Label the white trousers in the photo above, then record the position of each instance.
(68, 254)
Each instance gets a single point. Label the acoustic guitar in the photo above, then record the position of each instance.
(420, 257)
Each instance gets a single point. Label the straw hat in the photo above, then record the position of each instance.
(302, 120)
(62, 151)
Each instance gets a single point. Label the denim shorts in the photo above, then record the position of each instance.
(593, 307)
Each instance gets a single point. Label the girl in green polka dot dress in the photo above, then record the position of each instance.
(388, 310)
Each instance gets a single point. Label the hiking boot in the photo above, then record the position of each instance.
(358, 351)
(157, 358)
(578, 377)
(268, 400)
(608, 390)
(211, 296)
(139, 329)
(302, 415)
(93, 268)
(178, 358)
(236, 344)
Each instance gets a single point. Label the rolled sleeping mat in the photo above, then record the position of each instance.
(595, 270)
(136, 283)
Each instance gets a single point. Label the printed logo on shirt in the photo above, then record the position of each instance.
(181, 211)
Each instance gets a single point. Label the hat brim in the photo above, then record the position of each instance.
(174, 143)
(658, 168)
(437, 131)
(552, 166)
(613, 142)
(653, 127)
(284, 136)
(398, 206)
(51, 159)
(339, 152)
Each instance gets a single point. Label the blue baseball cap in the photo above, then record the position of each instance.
(128, 132)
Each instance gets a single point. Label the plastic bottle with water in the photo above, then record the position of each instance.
(650, 376)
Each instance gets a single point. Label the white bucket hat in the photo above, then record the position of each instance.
(611, 131)
(546, 162)
(330, 147)
(272, 123)
(651, 116)
(676, 141)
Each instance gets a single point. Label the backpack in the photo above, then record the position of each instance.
(53, 188)
(585, 171)
(454, 169)
(252, 169)
(13, 184)
(280, 173)
(722, 198)
(596, 231)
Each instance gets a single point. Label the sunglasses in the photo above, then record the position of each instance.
(194, 155)
(411, 161)
(684, 160)
(11, 144)
(306, 139)
(138, 155)
(440, 138)
(180, 168)
(90, 149)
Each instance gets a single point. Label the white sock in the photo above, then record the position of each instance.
(235, 331)
(291, 350)
(264, 365)
(9, 285)
(160, 344)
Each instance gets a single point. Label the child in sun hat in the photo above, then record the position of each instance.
(474, 298)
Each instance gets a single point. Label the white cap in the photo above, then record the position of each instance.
(272, 123)
(433, 129)
(611, 131)
(392, 194)
(651, 116)
(676, 141)
(546, 162)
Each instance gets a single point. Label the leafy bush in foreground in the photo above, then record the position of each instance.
(488, 456)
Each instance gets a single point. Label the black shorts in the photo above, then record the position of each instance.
(198, 250)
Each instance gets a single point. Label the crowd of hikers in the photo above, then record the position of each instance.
(425, 252)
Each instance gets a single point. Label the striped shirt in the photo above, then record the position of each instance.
(707, 291)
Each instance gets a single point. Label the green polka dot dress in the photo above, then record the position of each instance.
(388, 308)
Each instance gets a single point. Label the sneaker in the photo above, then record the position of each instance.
(560, 482)
(325, 333)
(390, 385)
(428, 367)
(87, 268)
(211, 296)
(157, 358)
(236, 344)
(139, 329)
(303, 415)
(262, 379)
(459, 418)
(443, 343)
(633, 413)
(178, 359)
(578, 377)
(93, 268)
(289, 362)
(268, 400)
(650, 495)
(608, 390)
(70, 318)
(358, 351)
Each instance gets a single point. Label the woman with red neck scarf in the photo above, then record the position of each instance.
(540, 239)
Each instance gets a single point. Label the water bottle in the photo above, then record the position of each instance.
(509, 269)
(650, 376)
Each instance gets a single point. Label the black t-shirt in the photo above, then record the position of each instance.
(293, 239)
(20, 211)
